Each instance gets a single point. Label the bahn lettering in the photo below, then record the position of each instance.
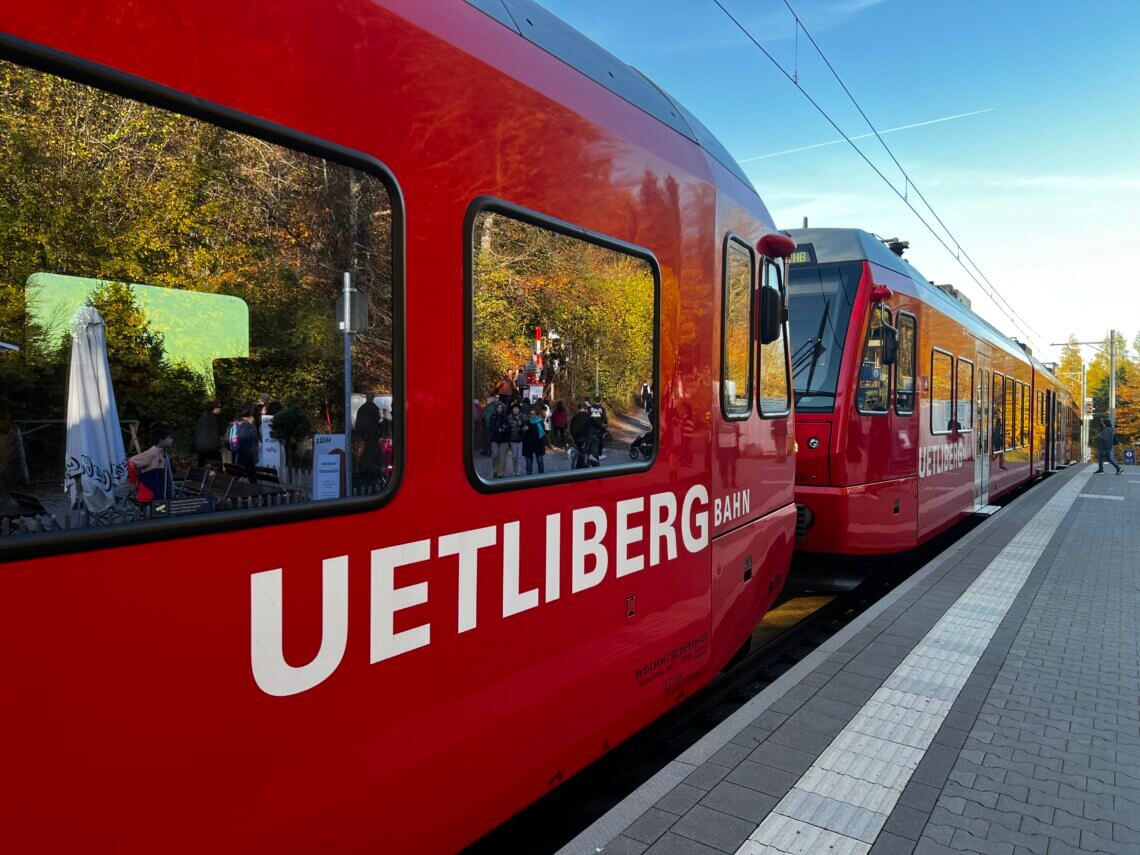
(665, 526)
(936, 459)
(732, 506)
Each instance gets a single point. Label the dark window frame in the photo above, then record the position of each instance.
(733, 241)
(477, 206)
(961, 360)
(766, 263)
(888, 316)
(899, 315)
(998, 402)
(150, 93)
(935, 351)
(1024, 421)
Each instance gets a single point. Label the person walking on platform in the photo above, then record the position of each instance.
(1105, 444)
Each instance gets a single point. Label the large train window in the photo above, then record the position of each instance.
(874, 377)
(941, 392)
(172, 287)
(998, 432)
(563, 337)
(1024, 420)
(775, 387)
(737, 329)
(904, 367)
(1009, 413)
(964, 386)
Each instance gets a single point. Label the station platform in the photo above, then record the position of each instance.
(990, 703)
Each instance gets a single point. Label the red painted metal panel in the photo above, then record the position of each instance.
(133, 720)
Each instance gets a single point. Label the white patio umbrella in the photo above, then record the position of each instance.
(96, 460)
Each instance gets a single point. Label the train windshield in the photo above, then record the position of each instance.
(820, 297)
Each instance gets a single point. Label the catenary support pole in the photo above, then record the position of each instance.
(1112, 377)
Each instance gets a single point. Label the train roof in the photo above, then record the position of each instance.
(546, 30)
(837, 244)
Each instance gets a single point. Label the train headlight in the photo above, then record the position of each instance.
(813, 443)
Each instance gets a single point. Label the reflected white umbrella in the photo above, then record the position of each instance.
(96, 461)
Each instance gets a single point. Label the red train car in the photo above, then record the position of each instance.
(912, 411)
(397, 652)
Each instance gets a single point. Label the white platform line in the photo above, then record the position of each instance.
(841, 803)
(1098, 496)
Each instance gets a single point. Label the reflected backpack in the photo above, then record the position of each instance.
(232, 435)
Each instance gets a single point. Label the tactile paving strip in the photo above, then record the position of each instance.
(841, 803)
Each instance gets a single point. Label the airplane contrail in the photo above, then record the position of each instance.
(865, 136)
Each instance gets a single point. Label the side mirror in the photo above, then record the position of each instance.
(890, 344)
(772, 314)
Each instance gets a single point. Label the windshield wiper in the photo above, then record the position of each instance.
(817, 348)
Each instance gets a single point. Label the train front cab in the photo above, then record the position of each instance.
(856, 435)
(894, 448)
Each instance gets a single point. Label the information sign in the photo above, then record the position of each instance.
(328, 466)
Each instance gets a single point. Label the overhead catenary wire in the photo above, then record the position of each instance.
(908, 181)
(903, 196)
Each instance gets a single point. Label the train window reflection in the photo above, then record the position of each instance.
(563, 337)
(1025, 415)
(997, 443)
(941, 392)
(904, 368)
(171, 286)
(964, 384)
(1009, 413)
(874, 376)
(736, 344)
(775, 397)
(819, 305)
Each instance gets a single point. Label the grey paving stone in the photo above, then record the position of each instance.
(783, 757)
(922, 797)
(930, 846)
(765, 779)
(963, 841)
(859, 681)
(935, 765)
(802, 738)
(707, 775)
(650, 825)
(891, 844)
(811, 720)
(769, 719)
(857, 695)
(832, 707)
(675, 844)
(622, 845)
(739, 801)
(729, 755)
(714, 828)
(906, 822)
(1069, 835)
(679, 799)
(750, 736)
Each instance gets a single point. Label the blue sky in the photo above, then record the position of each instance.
(1042, 189)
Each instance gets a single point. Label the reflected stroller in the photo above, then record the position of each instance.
(643, 446)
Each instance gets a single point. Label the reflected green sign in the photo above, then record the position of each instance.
(196, 327)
